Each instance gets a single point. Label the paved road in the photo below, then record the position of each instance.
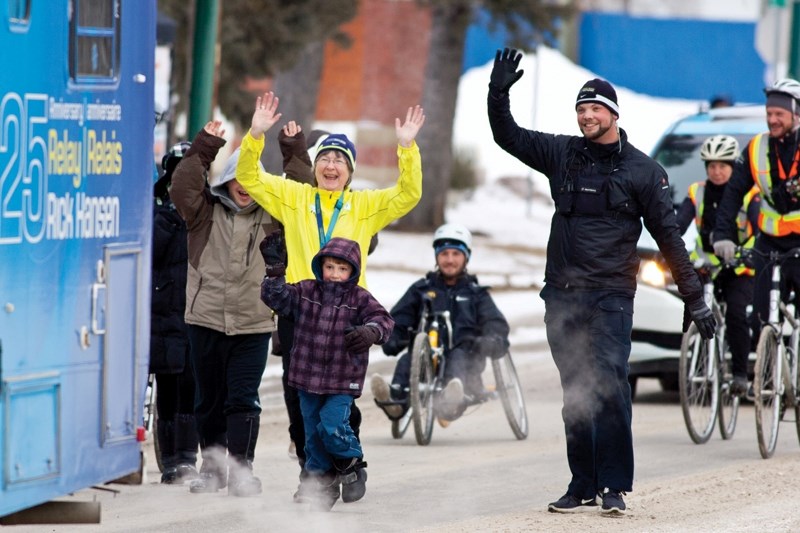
(475, 476)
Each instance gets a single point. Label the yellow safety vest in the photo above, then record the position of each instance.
(770, 221)
(745, 229)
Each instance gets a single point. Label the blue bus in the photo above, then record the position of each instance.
(76, 174)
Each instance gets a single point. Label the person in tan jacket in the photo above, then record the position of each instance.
(229, 327)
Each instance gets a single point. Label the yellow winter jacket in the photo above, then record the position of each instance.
(363, 214)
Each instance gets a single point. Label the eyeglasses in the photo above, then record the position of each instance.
(335, 162)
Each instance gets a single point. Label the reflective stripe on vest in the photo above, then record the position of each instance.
(770, 221)
(745, 229)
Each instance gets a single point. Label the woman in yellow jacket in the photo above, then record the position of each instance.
(313, 215)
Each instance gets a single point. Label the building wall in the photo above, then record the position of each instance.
(673, 58)
(375, 80)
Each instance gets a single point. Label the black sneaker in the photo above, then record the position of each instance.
(572, 504)
(612, 502)
(739, 386)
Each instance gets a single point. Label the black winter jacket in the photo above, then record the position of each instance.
(169, 346)
(601, 193)
(473, 312)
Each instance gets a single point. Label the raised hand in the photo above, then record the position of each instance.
(291, 129)
(265, 114)
(504, 72)
(406, 132)
(214, 127)
(273, 250)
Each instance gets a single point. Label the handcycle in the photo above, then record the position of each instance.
(775, 385)
(428, 350)
(705, 374)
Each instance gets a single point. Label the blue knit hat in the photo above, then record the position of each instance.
(340, 142)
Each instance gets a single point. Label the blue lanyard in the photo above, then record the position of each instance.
(324, 237)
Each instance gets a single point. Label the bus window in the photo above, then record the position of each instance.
(94, 41)
(19, 12)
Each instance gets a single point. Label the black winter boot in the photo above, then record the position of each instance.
(165, 433)
(304, 488)
(324, 490)
(186, 447)
(213, 474)
(242, 439)
(353, 476)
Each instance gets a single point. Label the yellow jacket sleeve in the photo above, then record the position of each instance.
(378, 208)
(274, 193)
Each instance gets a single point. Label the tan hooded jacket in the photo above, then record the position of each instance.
(225, 266)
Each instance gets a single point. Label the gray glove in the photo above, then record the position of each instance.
(725, 250)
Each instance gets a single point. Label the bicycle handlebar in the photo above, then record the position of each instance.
(776, 256)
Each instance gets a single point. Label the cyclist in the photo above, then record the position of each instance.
(770, 161)
(735, 286)
(479, 329)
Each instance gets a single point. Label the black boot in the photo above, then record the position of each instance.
(323, 490)
(213, 473)
(242, 439)
(185, 447)
(353, 476)
(303, 489)
(165, 433)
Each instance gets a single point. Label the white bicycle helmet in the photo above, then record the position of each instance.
(786, 86)
(453, 236)
(720, 148)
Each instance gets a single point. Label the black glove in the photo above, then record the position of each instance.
(491, 346)
(273, 250)
(394, 345)
(698, 312)
(360, 338)
(504, 72)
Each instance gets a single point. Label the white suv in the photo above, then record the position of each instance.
(658, 310)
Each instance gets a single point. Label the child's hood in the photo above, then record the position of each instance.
(343, 249)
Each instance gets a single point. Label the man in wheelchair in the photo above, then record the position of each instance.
(479, 330)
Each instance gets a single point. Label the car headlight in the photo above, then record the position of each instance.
(652, 273)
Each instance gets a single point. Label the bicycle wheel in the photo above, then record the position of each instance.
(728, 403)
(422, 387)
(510, 391)
(400, 425)
(767, 388)
(698, 385)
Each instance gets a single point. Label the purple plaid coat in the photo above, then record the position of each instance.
(323, 311)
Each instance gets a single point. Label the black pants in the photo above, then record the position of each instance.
(790, 277)
(175, 393)
(467, 365)
(589, 333)
(737, 292)
(291, 397)
(228, 371)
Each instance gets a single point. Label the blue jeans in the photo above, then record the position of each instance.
(589, 333)
(326, 418)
